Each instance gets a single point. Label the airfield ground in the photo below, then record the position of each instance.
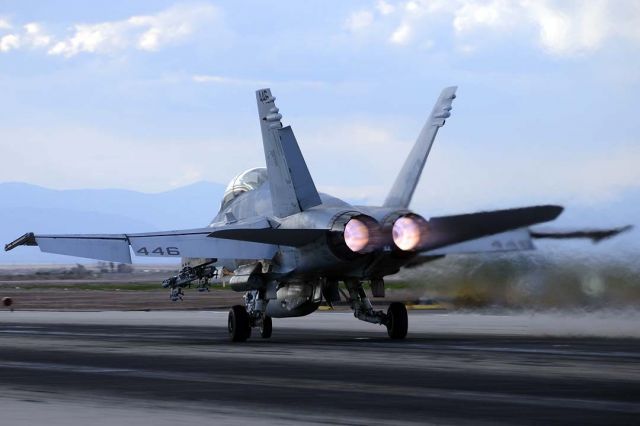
(170, 367)
(114, 350)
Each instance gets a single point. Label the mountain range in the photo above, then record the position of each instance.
(30, 208)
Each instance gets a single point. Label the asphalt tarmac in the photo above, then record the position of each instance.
(179, 368)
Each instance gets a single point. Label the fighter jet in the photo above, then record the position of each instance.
(288, 246)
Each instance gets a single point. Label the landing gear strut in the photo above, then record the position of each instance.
(396, 319)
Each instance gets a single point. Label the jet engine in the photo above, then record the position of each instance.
(409, 232)
(353, 234)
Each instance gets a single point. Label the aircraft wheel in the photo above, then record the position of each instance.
(238, 324)
(398, 321)
(266, 328)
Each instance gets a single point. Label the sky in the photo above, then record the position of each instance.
(153, 95)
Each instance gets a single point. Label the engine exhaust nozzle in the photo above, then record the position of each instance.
(408, 232)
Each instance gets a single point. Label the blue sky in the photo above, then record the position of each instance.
(151, 95)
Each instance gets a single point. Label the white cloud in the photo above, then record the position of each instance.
(9, 42)
(578, 30)
(102, 37)
(142, 32)
(495, 14)
(385, 8)
(402, 34)
(32, 37)
(5, 24)
(35, 36)
(559, 28)
(359, 20)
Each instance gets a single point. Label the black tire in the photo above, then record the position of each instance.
(398, 321)
(266, 328)
(238, 324)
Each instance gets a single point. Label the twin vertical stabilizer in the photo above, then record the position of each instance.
(406, 182)
(292, 188)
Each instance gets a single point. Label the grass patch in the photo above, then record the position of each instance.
(124, 286)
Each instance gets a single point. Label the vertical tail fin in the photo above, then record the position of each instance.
(292, 188)
(405, 184)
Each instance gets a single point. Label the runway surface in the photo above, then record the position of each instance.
(178, 367)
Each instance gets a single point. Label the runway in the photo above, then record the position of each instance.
(328, 368)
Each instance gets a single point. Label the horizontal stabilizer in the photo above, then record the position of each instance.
(284, 237)
(595, 235)
(447, 230)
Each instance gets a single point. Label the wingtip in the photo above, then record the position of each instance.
(560, 209)
(28, 239)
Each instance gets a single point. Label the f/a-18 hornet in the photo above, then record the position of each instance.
(288, 247)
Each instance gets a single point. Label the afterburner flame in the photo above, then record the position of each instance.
(406, 233)
(356, 235)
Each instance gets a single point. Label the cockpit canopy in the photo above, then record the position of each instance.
(246, 181)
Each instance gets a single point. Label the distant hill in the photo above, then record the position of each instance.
(25, 207)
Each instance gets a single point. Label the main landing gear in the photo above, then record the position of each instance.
(242, 319)
(238, 324)
(396, 319)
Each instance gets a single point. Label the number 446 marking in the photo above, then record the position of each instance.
(159, 251)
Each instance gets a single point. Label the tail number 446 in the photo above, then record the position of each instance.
(158, 251)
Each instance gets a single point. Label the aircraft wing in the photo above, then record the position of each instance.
(449, 230)
(185, 243)
(515, 240)
(595, 235)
